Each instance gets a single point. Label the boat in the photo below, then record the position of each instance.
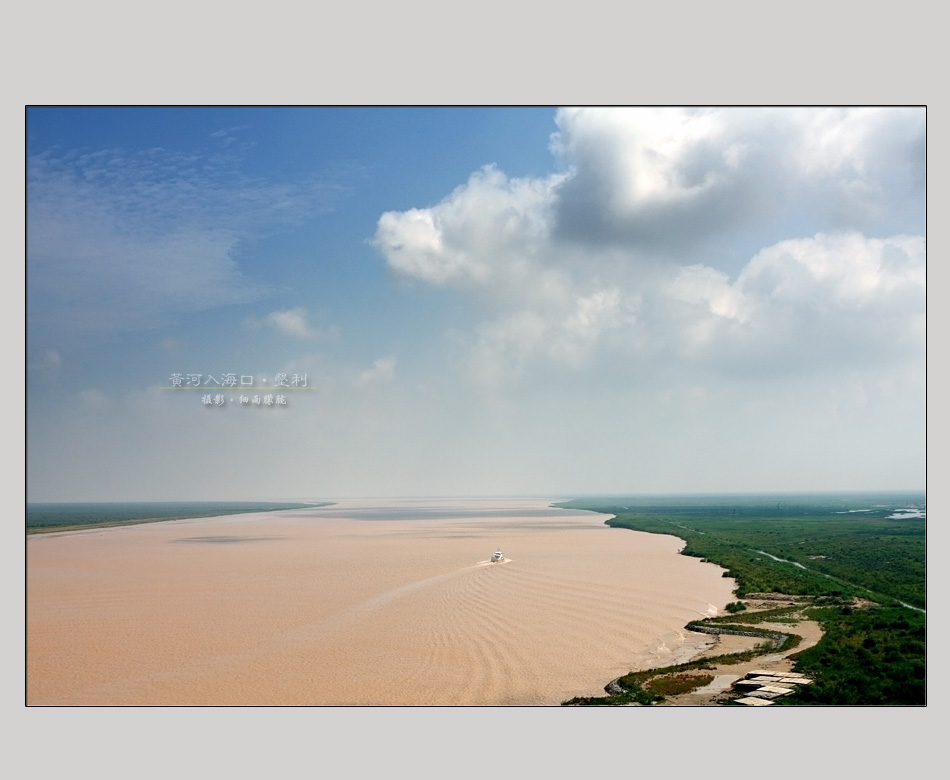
(497, 557)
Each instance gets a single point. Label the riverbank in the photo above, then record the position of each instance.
(68, 517)
(825, 548)
(719, 690)
(771, 630)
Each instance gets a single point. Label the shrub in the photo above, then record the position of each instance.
(678, 683)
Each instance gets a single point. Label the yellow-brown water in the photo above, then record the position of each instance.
(328, 607)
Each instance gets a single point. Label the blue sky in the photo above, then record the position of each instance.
(484, 301)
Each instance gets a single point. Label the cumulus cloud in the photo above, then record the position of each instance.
(840, 299)
(484, 235)
(618, 258)
(664, 179)
(506, 349)
(293, 322)
(838, 271)
(650, 177)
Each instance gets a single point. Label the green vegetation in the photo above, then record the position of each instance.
(867, 657)
(828, 545)
(838, 552)
(649, 686)
(635, 694)
(674, 684)
(763, 616)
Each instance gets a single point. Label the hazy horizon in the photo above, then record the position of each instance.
(474, 302)
(328, 500)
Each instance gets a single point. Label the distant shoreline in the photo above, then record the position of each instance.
(46, 518)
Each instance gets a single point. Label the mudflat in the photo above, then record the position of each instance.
(362, 603)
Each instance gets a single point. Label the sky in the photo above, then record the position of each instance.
(473, 301)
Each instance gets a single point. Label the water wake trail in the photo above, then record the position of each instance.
(363, 608)
(303, 635)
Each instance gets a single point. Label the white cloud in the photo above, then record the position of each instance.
(701, 284)
(484, 235)
(585, 268)
(842, 270)
(664, 179)
(833, 299)
(644, 154)
(293, 322)
(118, 240)
(382, 372)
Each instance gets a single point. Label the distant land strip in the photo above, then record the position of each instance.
(57, 517)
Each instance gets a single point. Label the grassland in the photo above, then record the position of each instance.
(859, 559)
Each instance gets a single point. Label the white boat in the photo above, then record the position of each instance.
(497, 557)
